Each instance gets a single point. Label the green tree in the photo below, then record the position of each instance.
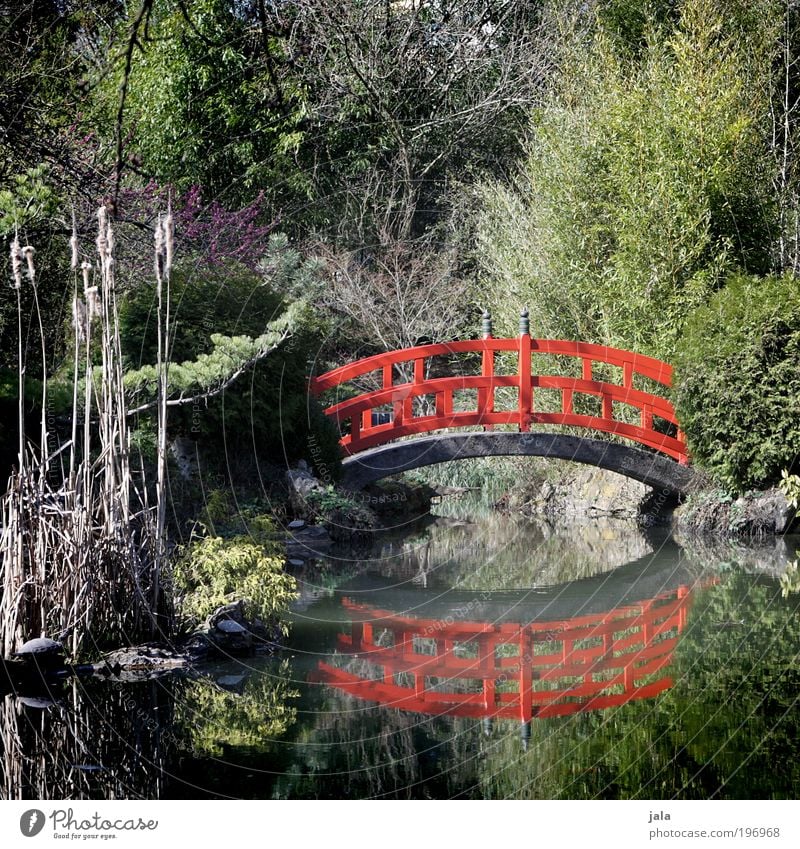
(198, 96)
(647, 181)
(241, 350)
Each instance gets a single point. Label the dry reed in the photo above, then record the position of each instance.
(82, 551)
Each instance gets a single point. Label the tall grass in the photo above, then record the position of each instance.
(82, 549)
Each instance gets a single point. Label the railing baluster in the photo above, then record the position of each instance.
(486, 394)
(388, 378)
(587, 368)
(627, 374)
(398, 409)
(419, 379)
(524, 367)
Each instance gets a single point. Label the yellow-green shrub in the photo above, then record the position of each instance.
(213, 571)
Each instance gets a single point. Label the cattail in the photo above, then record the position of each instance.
(169, 239)
(93, 302)
(109, 242)
(16, 263)
(159, 249)
(28, 251)
(79, 318)
(102, 220)
(86, 267)
(73, 244)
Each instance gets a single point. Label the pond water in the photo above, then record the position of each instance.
(471, 658)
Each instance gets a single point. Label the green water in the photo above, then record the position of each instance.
(429, 705)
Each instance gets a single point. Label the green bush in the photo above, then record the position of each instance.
(645, 184)
(332, 505)
(790, 487)
(214, 571)
(737, 390)
(217, 313)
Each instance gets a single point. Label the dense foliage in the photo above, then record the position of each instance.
(215, 571)
(646, 181)
(225, 318)
(738, 381)
(610, 165)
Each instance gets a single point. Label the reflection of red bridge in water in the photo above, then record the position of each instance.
(508, 670)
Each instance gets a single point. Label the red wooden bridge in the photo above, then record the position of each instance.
(506, 670)
(522, 382)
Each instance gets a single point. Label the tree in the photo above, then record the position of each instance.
(193, 99)
(349, 117)
(403, 96)
(647, 181)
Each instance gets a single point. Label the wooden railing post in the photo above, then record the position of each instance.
(525, 383)
(486, 395)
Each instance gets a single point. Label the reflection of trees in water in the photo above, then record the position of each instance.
(105, 740)
(729, 726)
(357, 751)
(500, 553)
(97, 741)
(257, 709)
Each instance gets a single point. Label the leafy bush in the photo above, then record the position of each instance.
(737, 391)
(790, 487)
(322, 505)
(214, 571)
(222, 317)
(645, 184)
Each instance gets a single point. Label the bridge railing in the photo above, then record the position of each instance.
(363, 430)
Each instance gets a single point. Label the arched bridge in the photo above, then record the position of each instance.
(522, 382)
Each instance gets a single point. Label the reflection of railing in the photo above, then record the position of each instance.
(507, 670)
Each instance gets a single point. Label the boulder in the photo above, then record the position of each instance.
(184, 451)
(301, 484)
(228, 626)
(581, 491)
(752, 515)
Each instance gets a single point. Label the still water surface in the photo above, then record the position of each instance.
(472, 659)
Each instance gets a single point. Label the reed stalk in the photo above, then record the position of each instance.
(83, 554)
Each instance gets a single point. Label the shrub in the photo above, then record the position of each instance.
(332, 505)
(790, 487)
(214, 571)
(217, 316)
(737, 390)
(645, 184)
